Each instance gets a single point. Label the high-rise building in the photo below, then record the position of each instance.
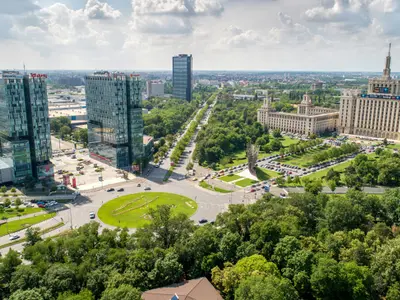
(182, 76)
(115, 123)
(375, 113)
(25, 143)
(155, 88)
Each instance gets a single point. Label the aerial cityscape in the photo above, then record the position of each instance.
(203, 149)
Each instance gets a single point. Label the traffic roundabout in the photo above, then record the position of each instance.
(132, 211)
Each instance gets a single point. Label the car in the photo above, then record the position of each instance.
(139, 185)
(202, 221)
(41, 206)
(252, 190)
(120, 190)
(147, 188)
(92, 215)
(110, 190)
(157, 166)
(14, 237)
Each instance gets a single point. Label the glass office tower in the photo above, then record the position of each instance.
(24, 125)
(115, 123)
(182, 74)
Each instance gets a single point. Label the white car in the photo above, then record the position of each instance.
(13, 237)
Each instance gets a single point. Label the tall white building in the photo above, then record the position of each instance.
(308, 119)
(375, 113)
(155, 88)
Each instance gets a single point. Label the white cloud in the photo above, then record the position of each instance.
(95, 9)
(177, 7)
(239, 38)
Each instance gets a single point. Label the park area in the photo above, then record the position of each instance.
(303, 160)
(240, 157)
(17, 225)
(132, 210)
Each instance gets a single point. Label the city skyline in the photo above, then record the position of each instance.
(231, 35)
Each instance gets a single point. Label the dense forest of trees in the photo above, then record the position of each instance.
(231, 125)
(167, 115)
(303, 247)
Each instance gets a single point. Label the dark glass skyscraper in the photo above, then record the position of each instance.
(182, 74)
(115, 123)
(25, 142)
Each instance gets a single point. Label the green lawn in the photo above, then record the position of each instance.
(301, 160)
(207, 186)
(265, 174)
(17, 225)
(14, 212)
(393, 146)
(229, 178)
(245, 182)
(339, 168)
(132, 210)
(240, 157)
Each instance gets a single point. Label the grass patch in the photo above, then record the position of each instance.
(301, 160)
(229, 178)
(245, 182)
(265, 174)
(132, 210)
(47, 230)
(240, 156)
(18, 225)
(14, 212)
(169, 173)
(393, 146)
(207, 186)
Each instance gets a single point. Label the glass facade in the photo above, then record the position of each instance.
(182, 73)
(24, 124)
(115, 123)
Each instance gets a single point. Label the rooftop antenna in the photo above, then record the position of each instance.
(24, 69)
(390, 48)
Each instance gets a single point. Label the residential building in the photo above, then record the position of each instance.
(308, 119)
(155, 88)
(115, 123)
(375, 113)
(182, 76)
(25, 143)
(196, 289)
(317, 86)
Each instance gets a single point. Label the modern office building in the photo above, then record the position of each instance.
(155, 88)
(308, 119)
(375, 113)
(182, 76)
(25, 143)
(115, 123)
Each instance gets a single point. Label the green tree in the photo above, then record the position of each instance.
(83, 295)
(189, 166)
(332, 185)
(33, 294)
(32, 235)
(261, 288)
(25, 277)
(18, 202)
(64, 131)
(60, 278)
(313, 186)
(3, 189)
(123, 292)
(326, 281)
(7, 202)
(276, 133)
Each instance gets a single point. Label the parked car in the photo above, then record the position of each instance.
(92, 215)
(147, 188)
(120, 190)
(14, 237)
(139, 185)
(202, 221)
(110, 190)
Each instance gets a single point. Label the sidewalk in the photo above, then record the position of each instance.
(28, 216)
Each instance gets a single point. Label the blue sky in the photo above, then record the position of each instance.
(324, 35)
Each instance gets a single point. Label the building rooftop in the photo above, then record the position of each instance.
(6, 163)
(67, 112)
(196, 289)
